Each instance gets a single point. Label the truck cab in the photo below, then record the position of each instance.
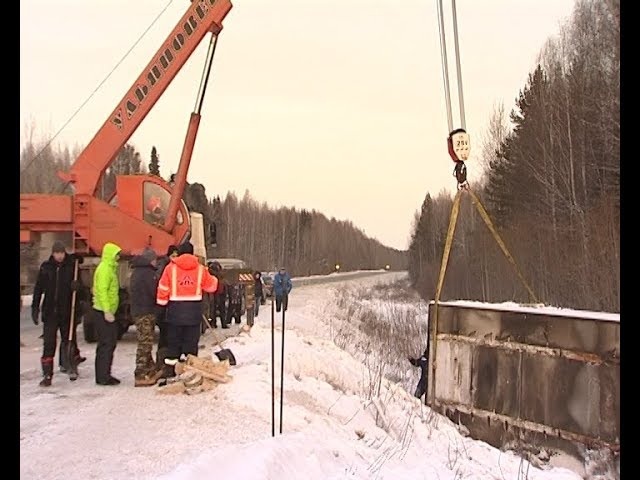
(237, 272)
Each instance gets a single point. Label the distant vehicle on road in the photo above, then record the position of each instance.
(229, 263)
(267, 288)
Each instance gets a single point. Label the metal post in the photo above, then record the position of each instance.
(463, 123)
(284, 307)
(273, 373)
(445, 68)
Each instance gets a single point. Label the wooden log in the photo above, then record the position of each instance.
(172, 388)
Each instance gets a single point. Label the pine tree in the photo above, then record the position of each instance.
(154, 165)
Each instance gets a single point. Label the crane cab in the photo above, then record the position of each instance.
(146, 197)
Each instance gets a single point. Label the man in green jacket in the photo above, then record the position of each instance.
(106, 298)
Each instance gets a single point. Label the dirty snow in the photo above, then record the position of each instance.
(83, 431)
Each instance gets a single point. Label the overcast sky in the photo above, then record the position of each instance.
(332, 105)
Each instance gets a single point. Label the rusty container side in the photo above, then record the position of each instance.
(555, 375)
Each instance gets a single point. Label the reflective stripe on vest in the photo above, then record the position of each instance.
(199, 283)
(174, 283)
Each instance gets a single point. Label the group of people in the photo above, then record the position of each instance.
(166, 291)
(226, 302)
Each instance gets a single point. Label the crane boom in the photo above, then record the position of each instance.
(202, 16)
(135, 215)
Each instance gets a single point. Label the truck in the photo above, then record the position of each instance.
(144, 210)
(237, 272)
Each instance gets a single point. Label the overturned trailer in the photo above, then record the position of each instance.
(519, 376)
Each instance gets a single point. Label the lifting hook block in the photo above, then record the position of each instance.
(458, 144)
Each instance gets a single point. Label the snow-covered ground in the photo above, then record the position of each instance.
(540, 309)
(332, 427)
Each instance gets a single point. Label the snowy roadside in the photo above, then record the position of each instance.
(332, 428)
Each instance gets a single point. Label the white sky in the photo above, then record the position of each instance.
(333, 105)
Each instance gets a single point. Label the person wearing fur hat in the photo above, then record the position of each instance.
(54, 287)
(143, 285)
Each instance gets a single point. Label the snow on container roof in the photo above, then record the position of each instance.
(539, 309)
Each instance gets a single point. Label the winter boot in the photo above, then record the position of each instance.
(161, 354)
(168, 371)
(145, 381)
(149, 379)
(47, 371)
(77, 358)
(110, 381)
(46, 381)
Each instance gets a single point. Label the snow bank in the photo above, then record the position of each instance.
(537, 309)
(332, 430)
(334, 424)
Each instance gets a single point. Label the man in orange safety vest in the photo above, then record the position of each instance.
(180, 289)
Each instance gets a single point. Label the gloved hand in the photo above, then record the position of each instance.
(109, 317)
(35, 313)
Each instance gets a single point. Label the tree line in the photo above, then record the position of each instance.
(305, 242)
(550, 182)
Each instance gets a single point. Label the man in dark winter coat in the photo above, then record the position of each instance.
(161, 313)
(56, 283)
(218, 300)
(180, 288)
(258, 292)
(162, 262)
(234, 311)
(422, 362)
(143, 285)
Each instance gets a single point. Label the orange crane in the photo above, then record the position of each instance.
(144, 211)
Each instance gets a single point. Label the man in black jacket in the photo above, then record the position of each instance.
(259, 293)
(143, 285)
(234, 310)
(423, 363)
(218, 300)
(56, 283)
(161, 312)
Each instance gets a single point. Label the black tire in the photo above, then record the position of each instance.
(89, 329)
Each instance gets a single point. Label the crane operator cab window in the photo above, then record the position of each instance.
(156, 204)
